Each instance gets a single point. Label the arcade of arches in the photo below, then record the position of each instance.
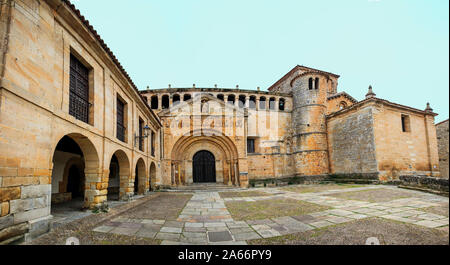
(76, 173)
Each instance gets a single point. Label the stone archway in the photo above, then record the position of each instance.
(152, 175)
(140, 179)
(222, 148)
(75, 156)
(119, 182)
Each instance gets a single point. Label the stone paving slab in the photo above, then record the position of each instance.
(206, 220)
(220, 236)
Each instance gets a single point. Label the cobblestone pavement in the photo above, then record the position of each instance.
(206, 220)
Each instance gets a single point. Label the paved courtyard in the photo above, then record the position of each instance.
(301, 214)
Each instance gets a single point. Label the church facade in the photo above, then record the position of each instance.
(301, 127)
(74, 126)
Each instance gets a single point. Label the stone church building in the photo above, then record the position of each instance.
(73, 125)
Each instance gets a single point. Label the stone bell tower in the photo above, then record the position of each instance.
(310, 90)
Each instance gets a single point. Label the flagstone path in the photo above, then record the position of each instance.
(206, 220)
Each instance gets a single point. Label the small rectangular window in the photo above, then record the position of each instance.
(250, 146)
(79, 90)
(141, 134)
(406, 124)
(120, 120)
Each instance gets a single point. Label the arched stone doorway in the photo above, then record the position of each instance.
(152, 173)
(75, 161)
(119, 177)
(220, 146)
(204, 167)
(140, 179)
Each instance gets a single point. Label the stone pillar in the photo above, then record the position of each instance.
(95, 188)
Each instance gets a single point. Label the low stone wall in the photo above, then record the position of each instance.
(439, 185)
(61, 197)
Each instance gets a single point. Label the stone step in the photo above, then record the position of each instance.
(202, 187)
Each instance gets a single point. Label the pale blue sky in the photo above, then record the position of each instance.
(400, 47)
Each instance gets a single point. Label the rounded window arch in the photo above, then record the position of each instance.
(252, 102)
(281, 104)
(176, 99)
(342, 105)
(262, 103)
(272, 103)
(241, 102)
(310, 83)
(154, 102)
(186, 97)
(165, 102)
(231, 99)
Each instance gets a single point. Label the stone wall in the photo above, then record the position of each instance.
(410, 152)
(34, 112)
(351, 142)
(442, 139)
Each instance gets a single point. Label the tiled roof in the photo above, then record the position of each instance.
(295, 69)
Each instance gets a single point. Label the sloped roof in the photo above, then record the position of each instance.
(296, 68)
(342, 94)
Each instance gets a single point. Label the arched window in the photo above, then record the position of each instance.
(342, 105)
(165, 102)
(310, 83)
(220, 96)
(186, 97)
(252, 102)
(231, 99)
(281, 104)
(154, 102)
(241, 102)
(176, 99)
(316, 85)
(272, 103)
(262, 103)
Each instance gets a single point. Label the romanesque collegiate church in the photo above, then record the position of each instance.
(74, 125)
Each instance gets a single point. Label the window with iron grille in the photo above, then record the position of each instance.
(79, 90)
(120, 120)
(141, 135)
(152, 140)
(250, 146)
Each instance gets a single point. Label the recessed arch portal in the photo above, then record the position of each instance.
(222, 148)
(204, 167)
